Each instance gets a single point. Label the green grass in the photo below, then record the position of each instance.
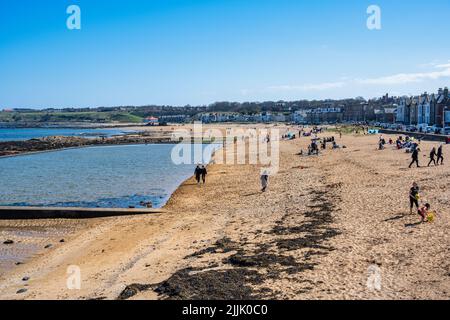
(69, 117)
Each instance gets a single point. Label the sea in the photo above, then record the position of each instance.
(121, 176)
(21, 134)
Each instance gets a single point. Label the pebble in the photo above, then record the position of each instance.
(25, 278)
(21, 291)
(48, 246)
(8, 242)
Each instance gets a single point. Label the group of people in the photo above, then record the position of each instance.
(414, 198)
(200, 174)
(436, 157)
(405, 143)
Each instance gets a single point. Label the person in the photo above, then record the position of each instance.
(432, 157)
(204, 173)
(415, 157)
(198, 173)
(440, 155)
(264, 181)
(423, 212)
(414, 197)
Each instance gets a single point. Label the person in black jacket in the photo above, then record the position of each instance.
(432, 157)
(440, 155)
(415, 158)
(204, 173)
(198, 173)
(414, 197)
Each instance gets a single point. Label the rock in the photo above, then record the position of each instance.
(18, 263)
(21, 291)
(48, 246)
(8, 242)
(62, 241)
(25, 278)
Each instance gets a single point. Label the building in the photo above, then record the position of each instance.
(426, 109)
(152, 121)
(182, 118)
(324, 115)
(299, 117)
(443, 108)
(402, 114)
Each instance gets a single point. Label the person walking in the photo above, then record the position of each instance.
(415, 158)
(198, 173)
(414, 197)
(204, 173)
(264, 181)
(440, 155)
(432, 157)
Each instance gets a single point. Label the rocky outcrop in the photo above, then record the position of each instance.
(55, 143)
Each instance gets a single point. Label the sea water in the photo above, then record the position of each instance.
(103, 177)
(20, 134)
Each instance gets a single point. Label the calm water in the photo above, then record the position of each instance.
(33, 133)
(115, 177)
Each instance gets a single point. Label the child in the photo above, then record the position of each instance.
(423, 212)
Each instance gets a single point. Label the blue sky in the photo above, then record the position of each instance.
(179, 52)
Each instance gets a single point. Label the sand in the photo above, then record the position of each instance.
(322, 229)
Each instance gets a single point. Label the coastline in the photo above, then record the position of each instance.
(313, 235)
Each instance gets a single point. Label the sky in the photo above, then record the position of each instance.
(179, 52)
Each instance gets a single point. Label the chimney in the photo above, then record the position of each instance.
(446, 92)
(440, 91)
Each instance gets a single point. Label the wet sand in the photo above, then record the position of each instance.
(323, 225)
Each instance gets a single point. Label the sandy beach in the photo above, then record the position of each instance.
(325, 223)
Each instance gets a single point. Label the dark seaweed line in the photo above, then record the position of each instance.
(237, 282)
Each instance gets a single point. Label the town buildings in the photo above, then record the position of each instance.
(426, 109)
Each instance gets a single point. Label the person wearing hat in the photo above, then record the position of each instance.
(264, 180)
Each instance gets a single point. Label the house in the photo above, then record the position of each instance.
(151, 121)
(413, 110)
(266, 117)
(324, 115)
(403, 111)
(182, 118)
(426, 109)
(442, 116)
(299, 117)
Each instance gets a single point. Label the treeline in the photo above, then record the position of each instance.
(135, 114)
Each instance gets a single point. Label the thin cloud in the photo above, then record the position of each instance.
(309, 87)
(403, 78)
(440, 71)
